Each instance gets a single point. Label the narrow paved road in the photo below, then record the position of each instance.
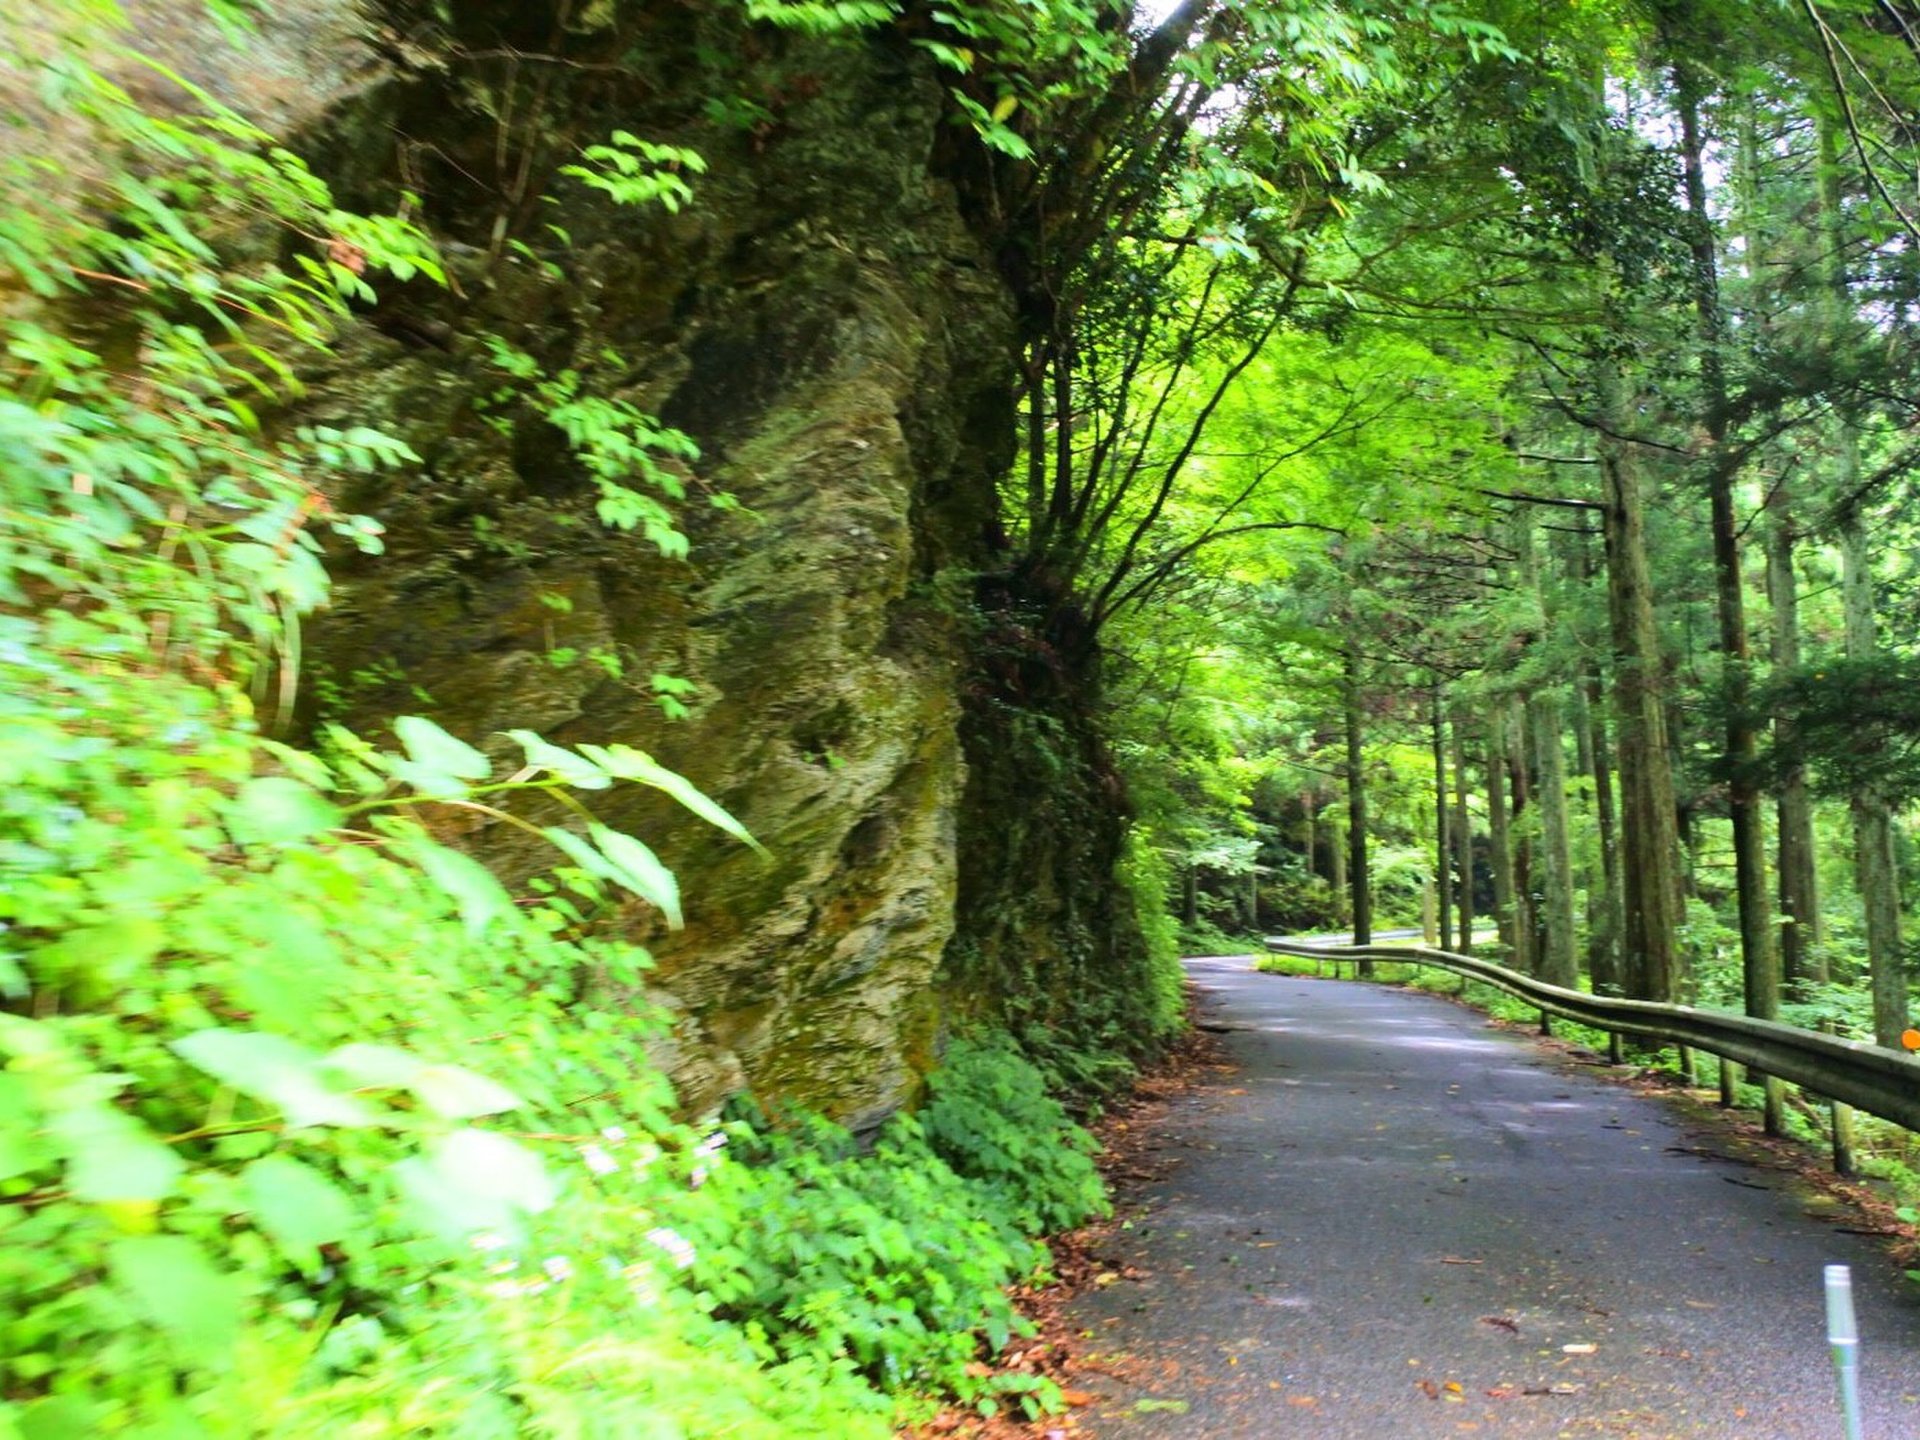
(1395, 1222)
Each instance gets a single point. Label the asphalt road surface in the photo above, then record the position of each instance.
(1395, 1222)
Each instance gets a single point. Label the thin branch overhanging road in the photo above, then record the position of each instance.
(1395, 1222)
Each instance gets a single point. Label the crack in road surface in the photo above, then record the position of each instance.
(1394, 1222)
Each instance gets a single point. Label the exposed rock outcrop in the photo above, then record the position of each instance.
(824, 319)
(821, 320)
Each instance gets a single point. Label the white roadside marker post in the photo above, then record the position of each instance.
(1843, 1334)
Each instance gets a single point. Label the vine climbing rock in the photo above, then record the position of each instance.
(1391, 1219)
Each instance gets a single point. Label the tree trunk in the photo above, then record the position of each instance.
(1337, 853)
(1875, 871)
(1604, 940)
(1802, 962)
(1442, 824)
(1357, 877)
(1557, 963)
(1500, 840)
(1740, 753)
(1526, 913)
(1554, 960)
(1463, 840)
(1311, 825)
(1605, 921)
(1650, 842)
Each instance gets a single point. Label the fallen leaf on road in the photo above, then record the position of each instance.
(1456, 1260)
(1502, 1322)
(1428, 1388)
(1586, 1348)
(1075, 1398)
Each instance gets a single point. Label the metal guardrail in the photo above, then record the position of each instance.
(1882, 1082)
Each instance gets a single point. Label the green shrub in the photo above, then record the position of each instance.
(896, 1257)
(307, 1127)
(989, 1116)
(1147, 878)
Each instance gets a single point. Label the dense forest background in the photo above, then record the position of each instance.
(623, 616)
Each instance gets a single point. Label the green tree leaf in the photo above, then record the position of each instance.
(472, 1181)
(171, 1281)
(298, 1207)
(630, 764)
(273, 1069)
(481, 897)
(111, 1157)
(276, 810)
(433, 749)
(576, 770)
(366, 1066)
(640, 870)
(457, 1093)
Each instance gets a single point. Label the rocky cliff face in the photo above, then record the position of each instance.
(822, 322)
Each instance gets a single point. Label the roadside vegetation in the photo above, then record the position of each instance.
(1451, 463)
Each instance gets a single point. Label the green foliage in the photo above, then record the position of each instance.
(989, 1115)
(308, 1126)
(822, 17)
(632, 171)
(611, 438)
(1147, 879)
(896, 1257)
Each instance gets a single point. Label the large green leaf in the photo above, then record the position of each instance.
(173, 1283)
(113, 1157)
(436, 763)
(640, 870)
(481, 898)
(275, 810)
(107, 954)
(297, 1206)
(273, 1069)
(430, 746)
(630, 764)
(576, 770)
(365, 1066)
(582, 854)
(473, 1181)
(457, 1093)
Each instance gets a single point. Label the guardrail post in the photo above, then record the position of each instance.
(1773, 1105)
(1842, 1139)
(1687, 1071)
(1729, 1083)
(1546, 1023)
(1616, 1048)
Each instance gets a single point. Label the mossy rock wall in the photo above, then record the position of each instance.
(825, 320)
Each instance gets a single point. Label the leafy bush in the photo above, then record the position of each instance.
(990, 1118)
(307, 1127)
(896, 1257)
(1147, 878)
